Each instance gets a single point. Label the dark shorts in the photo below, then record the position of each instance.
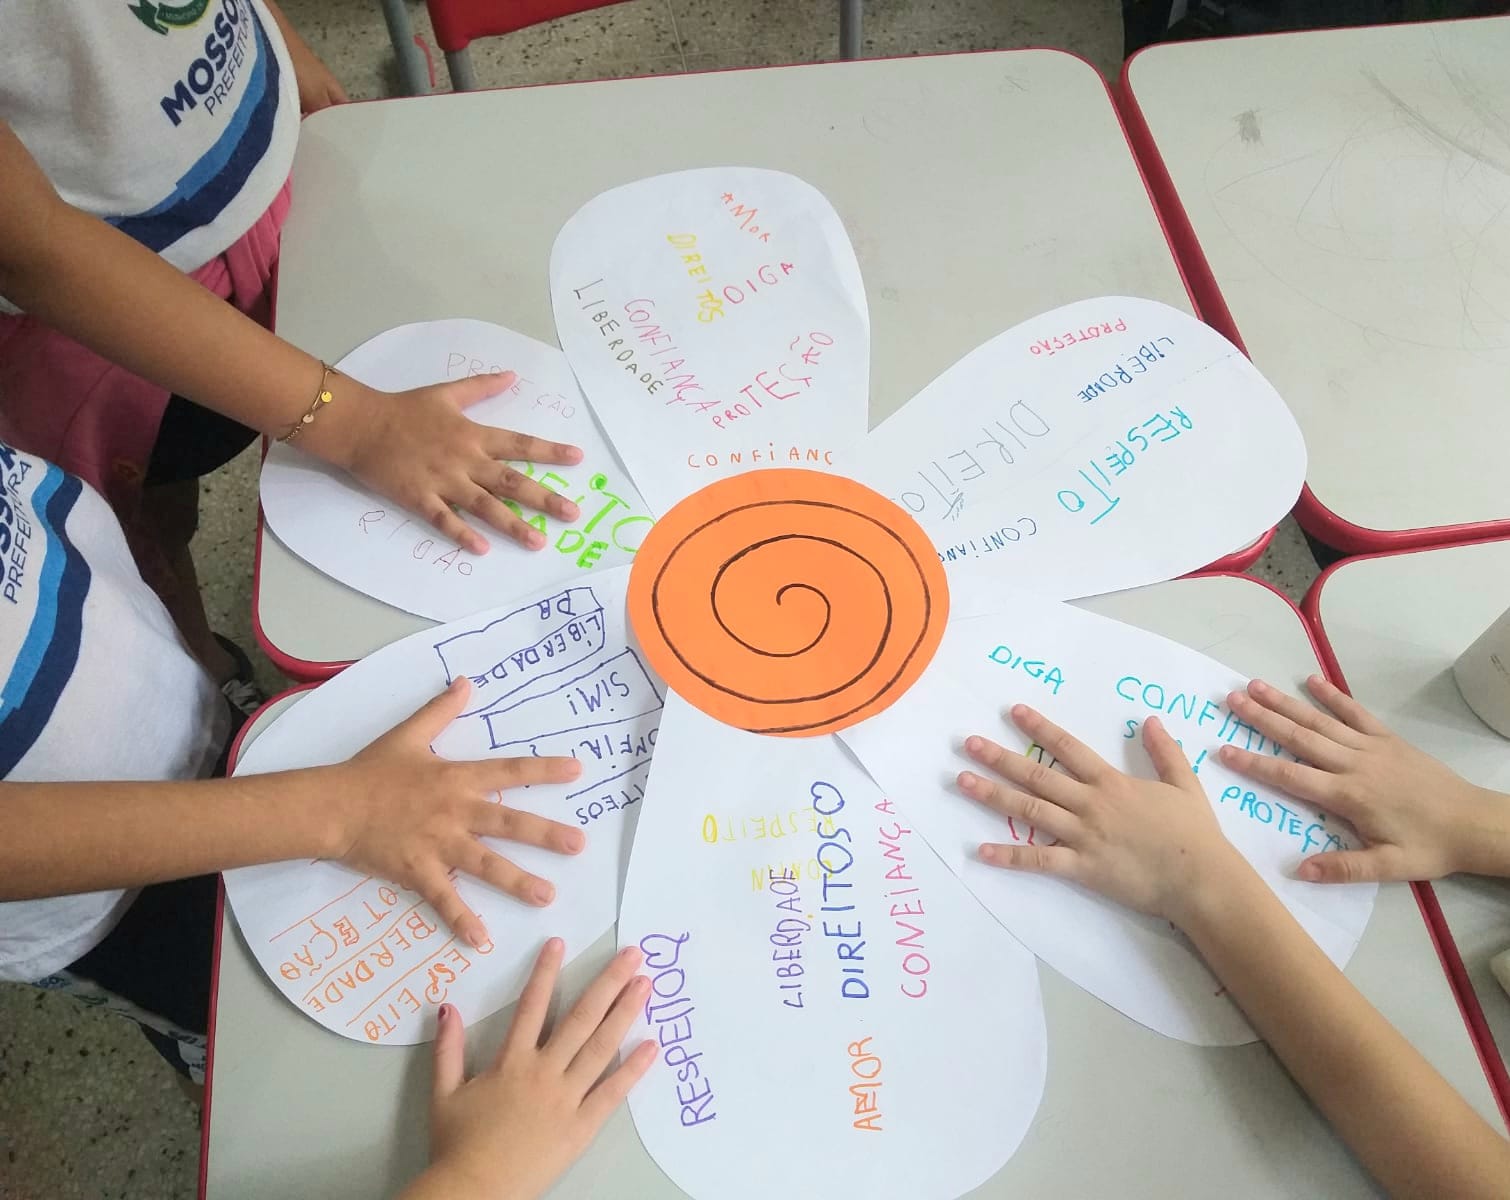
(193, 441)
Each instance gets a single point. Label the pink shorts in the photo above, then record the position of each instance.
(64, 402)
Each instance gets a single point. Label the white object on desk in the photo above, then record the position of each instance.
(1482, 673)
(977, 190)
(1125, 1111)
(1350, 191)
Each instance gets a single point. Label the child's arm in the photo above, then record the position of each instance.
(509, 1133)
(92, 282)
(318, 87)
(1157, 847)
(1421, 820)
(396, 811)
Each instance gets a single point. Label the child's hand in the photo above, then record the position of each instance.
(1420, 819)
(318, 87)
(1152, 845)
(409, 816)
(419, 449)
(512, 1131)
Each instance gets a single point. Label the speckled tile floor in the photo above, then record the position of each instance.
(86, 1109)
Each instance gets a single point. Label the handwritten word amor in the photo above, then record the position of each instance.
(1147, 353)
(446, 554)
(786, 940)
(1230, 727)
(745, 217)
(670, 1009)
(1025, 423)
(1164, 428)
(773, 457)
(835, 857)
(914, 962)
(998, 539)
(1033, 668)
(782, 382)
(755, 829)
(1064, 341)
(1312, 836)
(576, 541)
(866, 1067)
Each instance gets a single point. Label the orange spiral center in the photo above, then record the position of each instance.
(788, 602)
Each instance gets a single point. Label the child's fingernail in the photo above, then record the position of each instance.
(534, 539)
(1308, 871)
(443, 1013)
(969, 780)
(542, 892)
(987, 853)
(575, 841)
(477, 939)
(975, 745)
(568, 510)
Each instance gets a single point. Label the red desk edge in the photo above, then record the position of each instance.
(209, 1062)
(1436, 921)
(1314, 516)
(1240, 560)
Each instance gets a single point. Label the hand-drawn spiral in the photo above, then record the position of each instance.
(788, 602)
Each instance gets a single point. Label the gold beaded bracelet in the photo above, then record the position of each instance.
(322, 398)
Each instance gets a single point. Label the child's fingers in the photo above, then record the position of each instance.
(1305, 724)
(526, 828)
(592, 1005)
(531, 493)
(534, 1001)
(1057, 822)
(430, 719)
(1344, 707)
(600, 1103)
(1303, 782)
(1039, 860)
(1352, 866)
(1165, 754)
(1083, 762)
(450, 1049)
(492, 511)
(439, 514)
(441, 895)
(498, 872)
(1027, 773)
(521, 447)
(475, 388)
(598, 1051)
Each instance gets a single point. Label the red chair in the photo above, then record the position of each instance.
(457, 22)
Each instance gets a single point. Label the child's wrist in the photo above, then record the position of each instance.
(342, 427)
(1484, 844)
(1215, 884)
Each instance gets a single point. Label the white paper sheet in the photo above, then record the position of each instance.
(1099, 679)
(717, 322)
(373, 545)
(553, 673)
(1104, 445)
(832, 1005)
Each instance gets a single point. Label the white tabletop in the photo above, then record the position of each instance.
(1351, 192)
(978, 190)
(1126, 1112)
(1396, 625)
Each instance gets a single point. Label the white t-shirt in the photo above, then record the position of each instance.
(175, 121)
(94, 683)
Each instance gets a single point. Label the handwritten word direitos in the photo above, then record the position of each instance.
(1120, 459)
(866, 1067)
(781, 382)
(1033, 668)
(914, 962)
(1025, 423)
(1065, 340)
(787, 938)
(670, 1009)
(835, 857)
(1286, 820)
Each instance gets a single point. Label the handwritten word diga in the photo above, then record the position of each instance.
(1148, 353)
(1163, 428)
(915, 962)
(1033, 668)
(1024, 423)
(745, 216)
(866, 1092)
(786, 939)
(835, 857)
(670, 1009)
(771, 456)
(1312, 836)
(1063, 341)
(781, 382)
(988, 543)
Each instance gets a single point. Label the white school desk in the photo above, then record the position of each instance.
(1341, 202)
(1126, 1112)
(1392, 626)
(978, 190)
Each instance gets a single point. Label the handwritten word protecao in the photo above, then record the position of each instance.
(1148, 353)
(1162, 427)
(866, 1092)
(745, 216)
(915, 962)
(771, 456)
(786, 939)
(786, 381)
(1033, 668)
(835, 857)
(998, 539)
(670, 1010)
(1063, 341)
(1025, 422)
(1312, 835)
(788, 602)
